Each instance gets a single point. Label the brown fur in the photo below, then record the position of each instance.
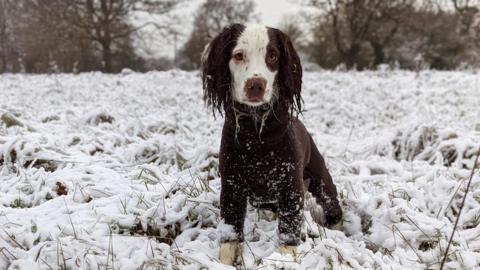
(267, 156)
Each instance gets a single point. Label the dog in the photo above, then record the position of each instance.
(252, 75)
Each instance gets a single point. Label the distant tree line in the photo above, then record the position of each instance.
(363, 34)
(85, 35)
(38, 36)
(360, 34)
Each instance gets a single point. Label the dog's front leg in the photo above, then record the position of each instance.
(290, 216)
(323, 189)
(233, 206)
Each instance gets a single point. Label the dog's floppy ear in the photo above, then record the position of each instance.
(216, 75)
(289, 77)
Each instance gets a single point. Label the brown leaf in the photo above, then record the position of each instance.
(61, 189)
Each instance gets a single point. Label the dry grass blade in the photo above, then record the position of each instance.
(6, 252)
(12, 238)
(70, 219)
(475, 163)
(395, 228)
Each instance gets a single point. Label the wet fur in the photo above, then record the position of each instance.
(267, 157)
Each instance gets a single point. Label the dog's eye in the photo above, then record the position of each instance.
(272, 57)
(239, 57)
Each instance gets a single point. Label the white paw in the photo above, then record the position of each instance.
(229, 251)
(288, 250)
(338, 226)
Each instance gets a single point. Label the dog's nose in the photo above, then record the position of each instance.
(255, 88)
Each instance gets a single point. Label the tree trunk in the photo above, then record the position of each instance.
(3, 38)
(378, 53)
(107, 57)
(350, 58)
(3, 53)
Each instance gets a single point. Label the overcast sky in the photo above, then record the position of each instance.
(271, 11)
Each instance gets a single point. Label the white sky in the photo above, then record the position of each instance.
(270, 11)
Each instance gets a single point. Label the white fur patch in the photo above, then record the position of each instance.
(253, 43)
(229, 251)
(288, 250)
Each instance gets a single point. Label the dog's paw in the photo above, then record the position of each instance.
(288, 250)
(229, 252)
(333, 214)
(337, 226)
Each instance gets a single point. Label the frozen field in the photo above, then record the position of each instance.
(120, 172)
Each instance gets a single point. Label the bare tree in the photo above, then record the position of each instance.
(357, 25)
(3, 36)
(46, 40)
(290, 25)
(387, 21)
(104, 22)
(6, 29)
(209, 20)
(469, 12)
(448, 37)
(351, 21)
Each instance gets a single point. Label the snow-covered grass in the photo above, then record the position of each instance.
(120, 172)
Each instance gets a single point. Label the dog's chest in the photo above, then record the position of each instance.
(264, 169)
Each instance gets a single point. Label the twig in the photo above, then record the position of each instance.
(461, 208)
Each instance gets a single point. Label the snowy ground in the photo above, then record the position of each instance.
(120, 172)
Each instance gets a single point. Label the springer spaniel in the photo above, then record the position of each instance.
(252, 74)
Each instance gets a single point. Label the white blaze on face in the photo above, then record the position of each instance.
(248, 62)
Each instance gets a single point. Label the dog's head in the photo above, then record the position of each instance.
(252, 65)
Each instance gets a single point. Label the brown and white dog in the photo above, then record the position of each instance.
(252, 74)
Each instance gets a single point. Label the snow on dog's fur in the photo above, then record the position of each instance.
(267, 157)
